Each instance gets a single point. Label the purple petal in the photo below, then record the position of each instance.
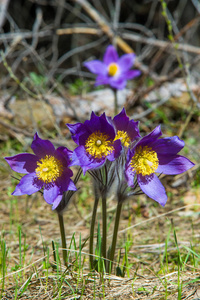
(177, 165)
(41, 147)
(29, 184)
(117, 83)
(51, 191)
(80, 158)
(102, 80)
(72, 186)
(151, 137)
(74, 127)
(132, 74)
(57, 201)
(63, 181)
(129, 175)
(121, 120)
(22, 163)
(100, 124)
(64, 155)
(110, 55)
(153, 188)
(116, 153)
(126, 61)
(78, 132)
(96, 67)
(133, 130)
(168, 146)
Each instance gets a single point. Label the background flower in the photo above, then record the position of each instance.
(95, 140)
(152, 155)
(47, 169)
(113, 71)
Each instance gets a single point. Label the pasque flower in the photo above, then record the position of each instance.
(95, 140)
(47, 169)
(113, 71)
(126, 130)
(153, 155)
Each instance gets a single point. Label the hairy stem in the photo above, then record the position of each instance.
(104, 225)
(91, 245)
(63, 238)
(115, 231)
(115, 102)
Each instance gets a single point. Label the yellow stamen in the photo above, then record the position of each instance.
(112, 69)
(49, 169)
(99, 145)
(123, 136)
(145, 161)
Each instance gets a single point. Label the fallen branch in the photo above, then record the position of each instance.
(105, 27)
(159, 43)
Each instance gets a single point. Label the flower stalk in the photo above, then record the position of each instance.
(91, 242)
(104, 226)
(63, 238)
(114, 239)
(115, 101)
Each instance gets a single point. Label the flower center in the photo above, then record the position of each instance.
(49, 169)
(145, 161)
(123, 136)
(98, 145)
(112, 69)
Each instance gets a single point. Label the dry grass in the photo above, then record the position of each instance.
(150, 277)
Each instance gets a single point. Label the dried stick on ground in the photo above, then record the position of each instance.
(57, 22)
(104, 25)
(166, 46)
(3, 10)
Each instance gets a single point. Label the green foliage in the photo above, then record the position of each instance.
(78, 87)
(160, 115)
(168, 21)
(143, 290)
(196, 182)
(149, 81)
(38, 80)
(3, 260)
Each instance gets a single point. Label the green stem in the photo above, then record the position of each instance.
(104, 225)
(96, 201)
(115, 231)
(115, 102)
(63, 238)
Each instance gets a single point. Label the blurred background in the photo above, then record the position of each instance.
(44, 44)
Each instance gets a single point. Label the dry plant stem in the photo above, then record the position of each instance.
(104, 25)
(114, 239)
(96, 201)
(12, 75)
(115, 101)
(63, 238)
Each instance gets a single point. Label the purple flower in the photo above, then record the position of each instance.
(95, 140)
(113, 71)
(151, 155)
(127, 131)
(47, 169)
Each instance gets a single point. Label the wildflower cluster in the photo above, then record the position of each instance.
(106, 148)
(111, 150)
